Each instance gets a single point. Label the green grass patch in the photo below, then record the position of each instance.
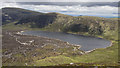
(50, 61)
(105, 56)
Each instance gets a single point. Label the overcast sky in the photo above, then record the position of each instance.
(96, 9)
(60, 0)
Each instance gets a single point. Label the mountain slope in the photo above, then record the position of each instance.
(19, 19)
(12, 14)
(60, 22)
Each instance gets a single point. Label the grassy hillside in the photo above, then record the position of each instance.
(59, 22)
(21, 19)
(100, 57)
(15, 14)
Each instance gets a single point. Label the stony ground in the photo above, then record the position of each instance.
(24, 50)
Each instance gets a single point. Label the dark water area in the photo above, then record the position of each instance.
(87, 43)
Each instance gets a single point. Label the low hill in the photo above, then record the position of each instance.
(15, 19)
(10, 14)
(60, 22)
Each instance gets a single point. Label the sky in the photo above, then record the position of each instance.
(105, 8)
(61, 0)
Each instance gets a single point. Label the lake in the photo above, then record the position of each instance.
(87, 43)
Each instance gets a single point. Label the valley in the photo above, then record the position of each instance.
(26, 50)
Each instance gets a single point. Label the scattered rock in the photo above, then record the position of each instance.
(43, 57)
(71, 63)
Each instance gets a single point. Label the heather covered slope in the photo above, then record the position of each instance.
(35, 19)
(85, 25)
(60, 22)
(21, 19)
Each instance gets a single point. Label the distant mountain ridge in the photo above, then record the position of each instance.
(59, 22)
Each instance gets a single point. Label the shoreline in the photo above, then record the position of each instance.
(98, 48)
(85, 52)
(75, 45)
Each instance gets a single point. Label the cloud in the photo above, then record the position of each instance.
(79, 10)
(75, 10)
(14, 4)
(61, 0)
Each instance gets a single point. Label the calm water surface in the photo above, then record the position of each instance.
(87, 43)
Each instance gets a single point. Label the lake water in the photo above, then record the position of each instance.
(87, 43)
